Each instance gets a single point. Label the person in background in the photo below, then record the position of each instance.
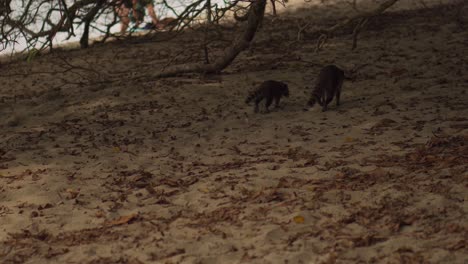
(123, 10)
(137, 15)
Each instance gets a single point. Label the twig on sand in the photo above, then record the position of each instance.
(301, 29)
(357, 29)
(324, 34)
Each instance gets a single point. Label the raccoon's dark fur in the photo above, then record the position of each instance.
(268, 90)
(328, 85)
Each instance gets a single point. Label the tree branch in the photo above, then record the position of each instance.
(256, 13)
(360, 17)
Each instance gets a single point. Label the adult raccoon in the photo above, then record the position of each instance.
(327, 86)
(268, 90)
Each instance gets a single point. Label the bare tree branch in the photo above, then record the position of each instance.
(359, 17)
(256, 13)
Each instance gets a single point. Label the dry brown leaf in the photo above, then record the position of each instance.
(121, 220)
(378, 173)
(72, 194)
(397, 72)
(458, 245)
(100, 214)
(298, 219)
(204, 190)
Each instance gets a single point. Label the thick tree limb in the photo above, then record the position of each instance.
(359, 17)
(256, 13)
(88, 19)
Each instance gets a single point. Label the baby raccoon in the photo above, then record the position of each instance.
(327, 86)
(269, 90)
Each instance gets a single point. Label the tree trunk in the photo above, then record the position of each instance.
(208, 11)
(84, 41)
(255, 16)
(273, 6)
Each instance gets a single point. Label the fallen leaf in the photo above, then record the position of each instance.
(204, 190)
(72, 194)
(397, 72)
(458, 245)
(100, 214)
(298, 219)
(121, 220)
(378, 173)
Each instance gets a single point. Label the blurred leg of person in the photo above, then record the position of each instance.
(149, 4)
(123, 11)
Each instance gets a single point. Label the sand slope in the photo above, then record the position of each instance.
(97, 167)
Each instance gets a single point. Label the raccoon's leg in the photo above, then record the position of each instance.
(324, 107)
(338, 91)
(326, 102)
(320, 101)
(268, 103)
(257, 101)
(277, 100)
(314, 99)
(323, 97)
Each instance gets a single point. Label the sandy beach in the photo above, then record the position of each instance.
(99, 167)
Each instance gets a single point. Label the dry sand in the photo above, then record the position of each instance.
(97, 167)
